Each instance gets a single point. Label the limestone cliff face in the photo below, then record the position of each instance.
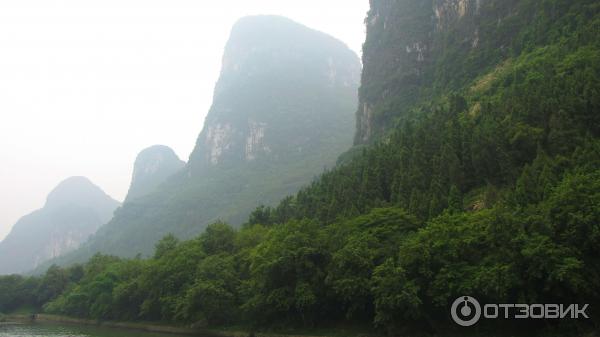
(152, 167)
(74, 210)
(275, 94)
(415, 47)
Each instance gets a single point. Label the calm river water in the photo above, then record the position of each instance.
(56, 330)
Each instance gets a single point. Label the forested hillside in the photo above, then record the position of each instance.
(477, 174)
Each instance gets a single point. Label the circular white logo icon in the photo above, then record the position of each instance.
(466, 311)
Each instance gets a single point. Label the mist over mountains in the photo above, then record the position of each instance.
(74, 210)
(283, 111)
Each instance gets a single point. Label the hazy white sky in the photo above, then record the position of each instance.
(85, 85)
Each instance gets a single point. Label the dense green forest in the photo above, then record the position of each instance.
(491, 189)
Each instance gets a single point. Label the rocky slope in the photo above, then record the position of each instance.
(74, 210)
(283, 93)
(417, 49)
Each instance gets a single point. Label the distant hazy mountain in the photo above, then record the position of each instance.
(74, 210)
(283, 110)
(152, 167)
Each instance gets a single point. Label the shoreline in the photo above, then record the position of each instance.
(145, 327)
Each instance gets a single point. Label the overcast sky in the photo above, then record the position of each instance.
(85, 85)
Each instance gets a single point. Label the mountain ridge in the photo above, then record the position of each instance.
(74, 210)
(152, 167)
(282, 112)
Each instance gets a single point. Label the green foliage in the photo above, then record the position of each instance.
(166, 245)
(54, 282)
(15, 291)
(395, 297)
(287, 275)
(218, 238)
(213, 296)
